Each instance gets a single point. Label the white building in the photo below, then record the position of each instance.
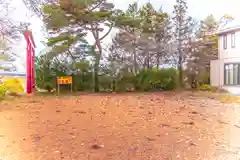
(225, 71)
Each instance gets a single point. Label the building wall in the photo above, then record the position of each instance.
(217, 70)
(228, 55)
(229, 52)
(214, 73)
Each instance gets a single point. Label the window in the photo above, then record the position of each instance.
(233, 40)
(225, 41)
(232, 74)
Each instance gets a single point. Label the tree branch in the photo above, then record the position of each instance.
(96, 6)
(110, 28)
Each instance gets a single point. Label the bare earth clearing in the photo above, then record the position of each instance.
(152, 126)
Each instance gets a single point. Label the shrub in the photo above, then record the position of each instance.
(207, 87)
(126, 82)
(48, 86)
(83, 82)
(13, 85)
(163, 79)
(105, 83)
(2, 90)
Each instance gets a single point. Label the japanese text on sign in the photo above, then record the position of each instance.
(64, 80)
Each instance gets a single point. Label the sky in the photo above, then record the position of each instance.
(198, 9)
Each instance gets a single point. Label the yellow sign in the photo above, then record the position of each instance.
(64, 80)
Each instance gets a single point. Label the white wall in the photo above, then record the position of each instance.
(229, 52)
(214, 73)
(228, 55)
(217, 70)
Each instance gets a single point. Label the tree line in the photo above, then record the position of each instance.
(152, 49)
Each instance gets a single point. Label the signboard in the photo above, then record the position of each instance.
(64, 80)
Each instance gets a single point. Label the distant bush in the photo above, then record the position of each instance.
(163, 79)
(126, 82)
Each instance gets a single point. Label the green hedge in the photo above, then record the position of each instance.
(150, 80)
(145, 80)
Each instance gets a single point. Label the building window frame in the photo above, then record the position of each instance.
(225, 41)
(233, 40)
(231, 74)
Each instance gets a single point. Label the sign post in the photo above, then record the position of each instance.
(64, 80)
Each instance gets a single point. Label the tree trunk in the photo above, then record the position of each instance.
(180, 71)
(148, 60)
(96, 71)
(96, 81)
(114, 85)
(95, 34)
(134, 60)
(134, 55)
(158, 61)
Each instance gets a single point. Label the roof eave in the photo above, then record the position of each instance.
(227, 30)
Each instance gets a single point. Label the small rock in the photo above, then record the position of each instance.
(192, 144)
(150, 139)
(79, 111)
(222, 122)
(165, 125)
(96, 146)
(194, 112)
(159, 135)
(37, 139)
(104, 113)
(133, 149)
(188, 123)
(237, 126)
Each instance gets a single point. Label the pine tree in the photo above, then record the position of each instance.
(70, 21)
(182, 25)
(137, 36)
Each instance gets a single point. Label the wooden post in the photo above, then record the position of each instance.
(58, 89)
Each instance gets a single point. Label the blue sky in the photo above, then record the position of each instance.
(197, 9)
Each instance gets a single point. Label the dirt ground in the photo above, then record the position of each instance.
(151, 126)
